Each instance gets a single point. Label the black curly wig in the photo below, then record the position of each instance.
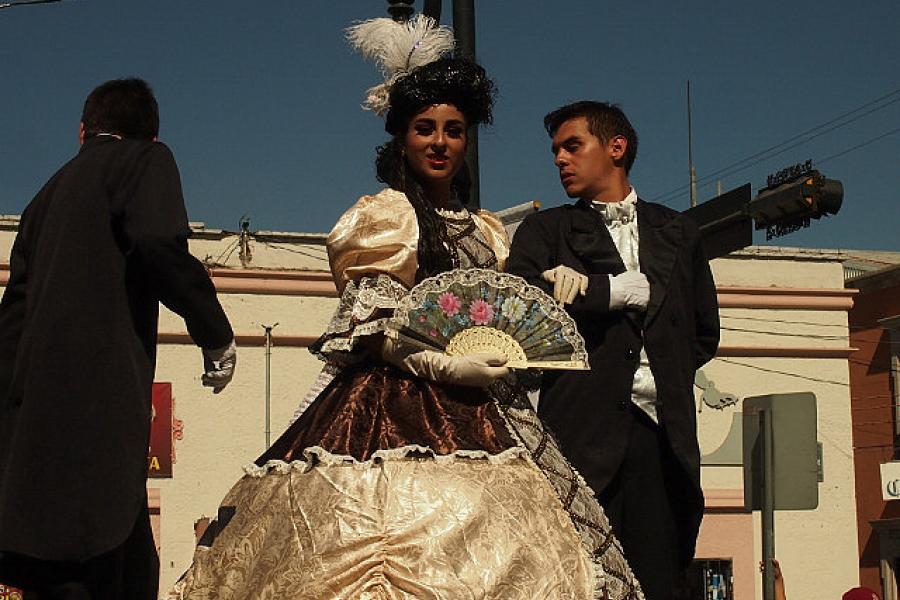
(455, 81)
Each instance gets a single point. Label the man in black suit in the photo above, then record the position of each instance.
(99, 247)
(635, 279)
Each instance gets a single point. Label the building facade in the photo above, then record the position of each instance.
(875, 333)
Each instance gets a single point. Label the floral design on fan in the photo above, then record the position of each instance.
(481, 312)
(449, 303)
(513, 309)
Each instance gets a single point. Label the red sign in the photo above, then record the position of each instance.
(162, 433)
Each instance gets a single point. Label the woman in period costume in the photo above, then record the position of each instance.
(412, 474)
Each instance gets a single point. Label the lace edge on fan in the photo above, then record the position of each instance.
(316, 455)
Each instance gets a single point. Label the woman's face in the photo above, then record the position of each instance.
(435, 144)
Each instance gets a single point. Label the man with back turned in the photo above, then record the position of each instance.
(99, 247)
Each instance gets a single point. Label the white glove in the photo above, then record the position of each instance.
(567, 283)
(474, 370)
(629, 290)
(219, 366)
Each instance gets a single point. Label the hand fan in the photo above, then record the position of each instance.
(465, 311)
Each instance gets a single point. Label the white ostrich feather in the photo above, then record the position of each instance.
(397, 48)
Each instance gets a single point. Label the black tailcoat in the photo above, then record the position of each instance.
(680, 330)
(98, 248)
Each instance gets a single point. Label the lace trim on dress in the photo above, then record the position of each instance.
(465, 243)
(326, 376)
(353, 317)
(317, 455)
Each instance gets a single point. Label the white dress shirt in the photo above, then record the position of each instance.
(621, 222)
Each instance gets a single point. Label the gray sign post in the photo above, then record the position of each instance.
(781, 463)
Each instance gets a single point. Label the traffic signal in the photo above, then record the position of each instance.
(790, 199)
(786, 206)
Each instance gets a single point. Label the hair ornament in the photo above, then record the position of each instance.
(397, 48)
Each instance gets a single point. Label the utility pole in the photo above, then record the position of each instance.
(464, 31)
(400, 10)
(768, 504)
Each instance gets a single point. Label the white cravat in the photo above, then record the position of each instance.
(621, 222)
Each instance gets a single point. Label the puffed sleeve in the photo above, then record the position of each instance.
(372, 252)
(378, 234)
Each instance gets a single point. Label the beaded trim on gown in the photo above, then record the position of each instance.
(387, 486)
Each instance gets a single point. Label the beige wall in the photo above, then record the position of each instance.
(224, 432)
(817, 549)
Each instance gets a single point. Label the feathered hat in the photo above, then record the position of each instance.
(397, 48)
(409, 55)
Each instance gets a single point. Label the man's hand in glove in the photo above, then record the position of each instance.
(567, 283)
(218, 365)
(629, 290)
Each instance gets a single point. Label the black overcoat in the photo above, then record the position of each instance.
(98, 248)
(680, 330)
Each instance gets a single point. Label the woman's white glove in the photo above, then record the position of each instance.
(474, 370)
(629, 290)
(567, 283)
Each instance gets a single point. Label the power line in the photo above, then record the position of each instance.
(813, 336)
(788, 334)
(763, 155)
(227, 252)
(294, 250)
(800, 143)
(777, 372)
(726, 171)
(789, 322)
(858, 146)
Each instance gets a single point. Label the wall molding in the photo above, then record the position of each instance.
(723, 499)
(319, 283)
(249, 340)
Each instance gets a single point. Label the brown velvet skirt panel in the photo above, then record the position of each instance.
(378, 407)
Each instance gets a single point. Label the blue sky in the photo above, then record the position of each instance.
(261, 100)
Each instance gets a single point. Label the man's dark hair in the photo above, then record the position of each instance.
(604, 120)
(125, 107)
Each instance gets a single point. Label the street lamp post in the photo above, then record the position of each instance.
(464, 31)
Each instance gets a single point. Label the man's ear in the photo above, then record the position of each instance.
(80, 133)
(617, 147)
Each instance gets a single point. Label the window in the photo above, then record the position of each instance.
(707, 579)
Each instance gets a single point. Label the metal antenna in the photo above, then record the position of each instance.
(693, 173)
(245, 254)
(25, 2)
